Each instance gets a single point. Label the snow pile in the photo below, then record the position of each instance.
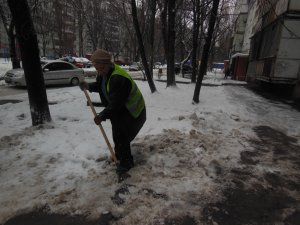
(4, 66)
(180, 153)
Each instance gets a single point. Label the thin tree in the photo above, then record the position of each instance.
(43, 21)
(141, 46)
(196, 27)
(206, 48)
(217, 32)
(171, 43)
(94, 21)
(127, 33)
(9, 27)
(163, 5)
(79, 11)
(152, 33)
(27, 39)
(183, 44)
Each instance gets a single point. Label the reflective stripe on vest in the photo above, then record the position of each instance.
(135, 102)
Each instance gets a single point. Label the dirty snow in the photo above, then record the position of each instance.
(183, 154)
(4, 66)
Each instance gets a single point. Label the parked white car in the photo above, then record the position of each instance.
(135, 66)
(55, 72)
(87, 63)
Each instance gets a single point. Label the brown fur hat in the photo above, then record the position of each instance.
(101, 56)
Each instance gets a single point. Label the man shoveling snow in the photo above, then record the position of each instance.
(124, 105)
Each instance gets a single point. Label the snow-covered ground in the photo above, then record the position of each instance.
(4, 66)
(188, 158)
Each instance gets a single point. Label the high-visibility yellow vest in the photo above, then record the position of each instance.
(135, 102)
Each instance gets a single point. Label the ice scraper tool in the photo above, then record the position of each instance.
(113, 156)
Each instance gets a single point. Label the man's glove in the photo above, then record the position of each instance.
(97, 120)
(84, 85)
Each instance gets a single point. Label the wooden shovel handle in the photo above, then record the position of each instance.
(113, 156)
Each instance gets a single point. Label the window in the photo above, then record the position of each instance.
(59, 66)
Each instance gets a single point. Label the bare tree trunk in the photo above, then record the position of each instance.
(203, 14)
(130, 44)
(215, 37)
(141, 46)
(80, 28)
(151, 33)
(164, 25)
(9, 28)
(200, 39)
(44, 44)
(196, 21)
(171, 43)
(213, 48)
(12, 47)
(31, 61)
(206, 48)
(183, 62)
(81, 25)
(212, 56)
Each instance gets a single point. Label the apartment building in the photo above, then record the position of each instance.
(241, 10)
(269, 42)
(239, 58)
(274, 47)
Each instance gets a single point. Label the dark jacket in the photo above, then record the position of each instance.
(115, 109)
(119, 91)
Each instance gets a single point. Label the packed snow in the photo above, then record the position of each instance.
(4, 66)
(181, 153)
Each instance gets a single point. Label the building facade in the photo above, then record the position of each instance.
(238, 58)
(252, 20)
(269, 41)
(274, 47)
(65, 34)
(60, 31)
(241, 10)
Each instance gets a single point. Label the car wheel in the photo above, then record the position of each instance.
(74, 81)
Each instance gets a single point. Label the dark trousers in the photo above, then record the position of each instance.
(124, 130)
